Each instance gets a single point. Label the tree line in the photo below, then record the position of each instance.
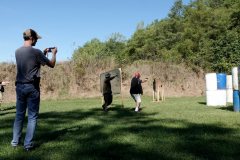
(203, 34)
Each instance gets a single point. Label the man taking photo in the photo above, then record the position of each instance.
(29, 61)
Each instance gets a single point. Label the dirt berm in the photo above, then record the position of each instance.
(69, 80)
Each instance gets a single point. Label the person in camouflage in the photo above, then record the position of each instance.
(107, 91)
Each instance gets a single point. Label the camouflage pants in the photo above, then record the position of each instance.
(108, 100)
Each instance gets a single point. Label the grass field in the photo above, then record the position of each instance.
(179, 128)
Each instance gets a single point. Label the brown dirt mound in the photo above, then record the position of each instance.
(69, 80)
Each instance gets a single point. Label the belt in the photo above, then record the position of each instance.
(24, 82)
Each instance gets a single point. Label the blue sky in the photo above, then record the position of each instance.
(62, 23)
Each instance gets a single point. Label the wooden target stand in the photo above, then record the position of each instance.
(158, 88)
(121, 89)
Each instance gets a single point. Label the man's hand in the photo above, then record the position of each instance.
(45, 51)
(52, 62)
(145, 80)
(4, 83)
(54, 51)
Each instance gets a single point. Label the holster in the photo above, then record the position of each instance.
(36, 81)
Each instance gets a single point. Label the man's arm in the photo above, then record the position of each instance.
(145, 80)
(111, 78)
(52, 62)
(3, 83)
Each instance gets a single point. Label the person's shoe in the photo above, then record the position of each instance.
(19, 144)
(28, 149)
(104, 108)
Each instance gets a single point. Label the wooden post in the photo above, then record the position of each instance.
(121, 86)
(163, 93)
(153, 95)
(160, 93)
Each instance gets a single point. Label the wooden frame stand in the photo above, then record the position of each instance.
(160, 94)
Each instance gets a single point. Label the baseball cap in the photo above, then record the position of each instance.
(138, 74)
(31, 33)
(107, 75)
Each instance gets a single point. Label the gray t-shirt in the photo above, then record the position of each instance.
(29, 61)
(139, 81)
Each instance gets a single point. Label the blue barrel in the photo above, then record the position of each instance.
(236, 100)
(221, 80)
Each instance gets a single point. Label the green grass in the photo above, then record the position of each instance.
(179, 128)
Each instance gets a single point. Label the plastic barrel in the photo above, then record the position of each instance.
(229, 82)
(236, 100)
(211, 98)
(211, 81)
(235, 78)
(230, 95)
(221, 98)
(238, 76)
(221, 80)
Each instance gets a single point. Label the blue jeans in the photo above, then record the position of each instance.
(28, 96)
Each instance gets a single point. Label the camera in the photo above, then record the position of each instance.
(49, 49)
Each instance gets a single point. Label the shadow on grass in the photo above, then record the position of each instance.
(5, 113)
(122, 134)
(99, 145)
(115, 107)
(228, 108)
(9, 108)
(118, 107)
(203, 103)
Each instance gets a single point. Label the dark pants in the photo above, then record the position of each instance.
(28, 97)
(108, 100)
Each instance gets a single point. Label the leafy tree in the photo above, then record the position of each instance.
(227, 51)
(214, 3)
(115, 46)
(94, 48)
(176, 10)
(204, 33)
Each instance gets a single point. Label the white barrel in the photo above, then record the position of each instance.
(235, 78)
(222, 97)
(229, 82)
(230, 95)
(238, 76)
(211, 81)
(211, 98)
